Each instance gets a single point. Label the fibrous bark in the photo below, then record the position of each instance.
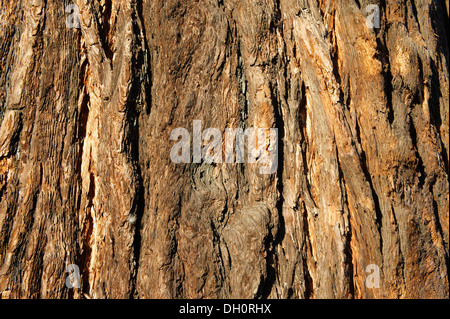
(86, 177)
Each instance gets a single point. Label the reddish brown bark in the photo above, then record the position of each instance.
(86, 176)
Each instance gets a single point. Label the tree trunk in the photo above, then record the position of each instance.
(358, 204)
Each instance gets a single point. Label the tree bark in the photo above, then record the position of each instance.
(86, 176)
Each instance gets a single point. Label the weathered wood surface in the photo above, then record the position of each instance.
(86, 177)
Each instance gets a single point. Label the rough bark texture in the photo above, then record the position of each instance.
(86, 177)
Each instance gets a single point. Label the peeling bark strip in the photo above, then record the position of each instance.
(358, 207)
